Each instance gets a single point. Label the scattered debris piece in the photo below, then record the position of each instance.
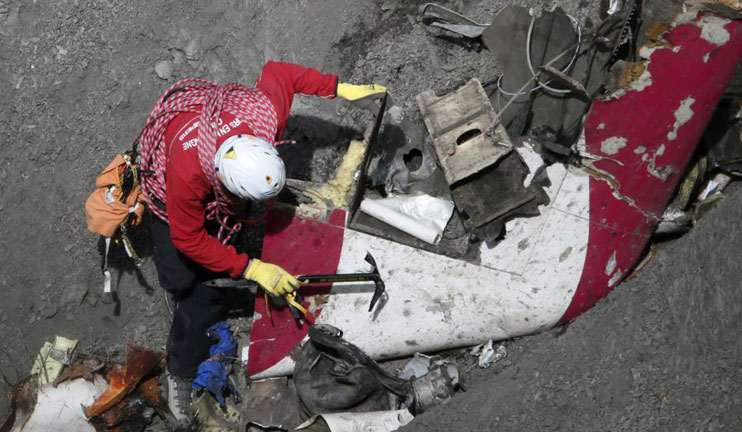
(418, 366)
(213, 373)
(677, 217)
(333, 375)
(438, 16)
(336, 191)
(436, 387)
(52, 358)
(715, 185)
(263, 396)
(83, 368)
(703, 183)
(467, 135)
(567, 81)
(257, 427)
(379, 421)
(485, 202)
(210, 417)
(674, 221)
(421, 215)
(22, 399)
(488, 354)
(58, 408)
(122, 380)
(469, 140)
(406, 158)
(434, 380)
(611, 7)
(136, 411)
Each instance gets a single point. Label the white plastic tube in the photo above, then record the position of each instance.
(401, 221)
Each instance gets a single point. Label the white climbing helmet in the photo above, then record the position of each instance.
(250, 168)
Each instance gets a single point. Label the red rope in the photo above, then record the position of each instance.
(209, 99)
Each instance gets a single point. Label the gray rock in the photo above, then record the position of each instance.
(193, 52)
(164, 69)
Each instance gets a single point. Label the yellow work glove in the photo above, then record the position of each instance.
(361, 94)
(275, 280)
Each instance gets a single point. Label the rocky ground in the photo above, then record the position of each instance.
(80, 76)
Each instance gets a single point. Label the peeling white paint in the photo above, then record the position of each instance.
(646, 51)
(616, 276)
(712, 26)
(581, 145)
(682, 115)
(712, 29)
(643, 81)
(601, 126)
(612, 145)
(610, 265)
(640, 150)
(706, 57)
(660, 172)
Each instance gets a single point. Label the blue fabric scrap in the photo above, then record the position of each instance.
(213, 373)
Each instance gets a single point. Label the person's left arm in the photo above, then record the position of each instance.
(281, 81)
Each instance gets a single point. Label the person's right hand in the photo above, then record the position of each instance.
(274, 279)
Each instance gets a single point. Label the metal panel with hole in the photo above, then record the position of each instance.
(466, 134)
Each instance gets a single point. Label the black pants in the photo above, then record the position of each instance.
(197, 306)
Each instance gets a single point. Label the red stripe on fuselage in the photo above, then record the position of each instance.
(301, 246)
(696, 69)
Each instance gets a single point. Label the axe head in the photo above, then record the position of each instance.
(380, 287)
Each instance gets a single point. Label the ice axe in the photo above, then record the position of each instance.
(372, 276)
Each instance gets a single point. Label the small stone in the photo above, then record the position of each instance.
(192, 52)
(178, 56)
(164, 69)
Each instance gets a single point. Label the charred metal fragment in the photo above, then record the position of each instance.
(467, 136)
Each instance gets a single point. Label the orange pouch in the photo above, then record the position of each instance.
(104, 209)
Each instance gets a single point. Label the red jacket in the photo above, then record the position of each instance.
(187, 189)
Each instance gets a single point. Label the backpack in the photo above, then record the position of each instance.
(116, 205)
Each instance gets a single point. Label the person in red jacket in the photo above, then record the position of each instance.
(205, 151)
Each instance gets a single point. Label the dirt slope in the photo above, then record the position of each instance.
(663, 352)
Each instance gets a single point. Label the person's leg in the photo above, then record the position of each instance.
(197, 306)
(187, 345)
